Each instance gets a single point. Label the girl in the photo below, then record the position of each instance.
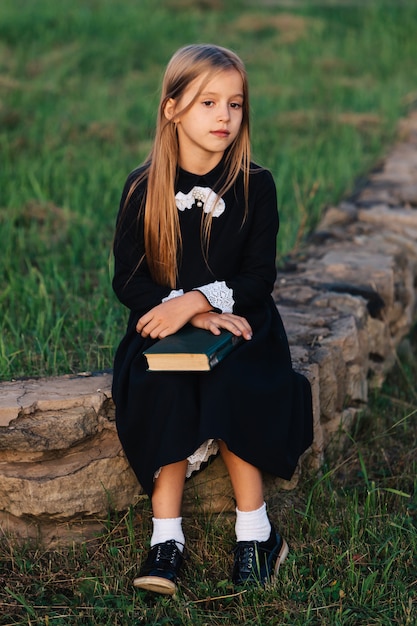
(195, 244)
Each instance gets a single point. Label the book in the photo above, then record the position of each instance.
(190, 349)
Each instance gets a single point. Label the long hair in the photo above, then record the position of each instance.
(161, 223)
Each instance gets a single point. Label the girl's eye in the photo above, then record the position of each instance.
(208, 103)
(235, 105)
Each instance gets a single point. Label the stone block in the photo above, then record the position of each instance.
(347, 299)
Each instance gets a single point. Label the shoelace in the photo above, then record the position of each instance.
(246, 556)
(167, 551)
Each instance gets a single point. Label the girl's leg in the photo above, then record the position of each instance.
(168, 490)
(166, 504)
(259, 550)
(252, 521)
(246, 480)
(160, 570)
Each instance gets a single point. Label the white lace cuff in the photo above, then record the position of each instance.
(219, 295)
(174, 294)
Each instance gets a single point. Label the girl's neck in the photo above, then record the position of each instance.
(199, 166)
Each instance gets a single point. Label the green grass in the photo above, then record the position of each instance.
(79, 83)
(352, 531)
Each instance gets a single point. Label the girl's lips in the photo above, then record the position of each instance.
(220, 133)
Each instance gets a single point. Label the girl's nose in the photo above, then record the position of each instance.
(223, 112)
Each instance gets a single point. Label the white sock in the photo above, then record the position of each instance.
(252, 525)
(168, 528)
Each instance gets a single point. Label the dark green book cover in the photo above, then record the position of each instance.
(190, 349)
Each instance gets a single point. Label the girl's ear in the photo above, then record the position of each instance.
(169, 109)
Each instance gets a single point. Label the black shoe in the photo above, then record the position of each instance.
(160, 571)
(257, 561)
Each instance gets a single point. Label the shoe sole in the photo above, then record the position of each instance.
(282, 555)
(156, 584)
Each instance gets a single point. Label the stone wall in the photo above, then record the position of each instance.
(347, 300)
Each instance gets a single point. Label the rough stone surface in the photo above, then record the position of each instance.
(346, 301)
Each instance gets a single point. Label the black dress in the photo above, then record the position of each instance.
(253, 400)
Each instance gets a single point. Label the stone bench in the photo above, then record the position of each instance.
(346, 305)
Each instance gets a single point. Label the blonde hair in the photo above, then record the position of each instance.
(161, 223)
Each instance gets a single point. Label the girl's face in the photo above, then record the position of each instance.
(212, 122)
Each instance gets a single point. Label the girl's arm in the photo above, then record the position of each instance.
(132, 282)
(169, 316)
(253, 281)
(159, 315)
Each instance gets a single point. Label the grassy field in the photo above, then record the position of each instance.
(352, 532)
(79, 84)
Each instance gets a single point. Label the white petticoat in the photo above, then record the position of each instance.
(200, 456)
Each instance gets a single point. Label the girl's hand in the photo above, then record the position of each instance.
(168, 317)
(214, 322)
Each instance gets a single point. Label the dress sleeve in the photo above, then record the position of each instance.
(254, 280)
(132, 282)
